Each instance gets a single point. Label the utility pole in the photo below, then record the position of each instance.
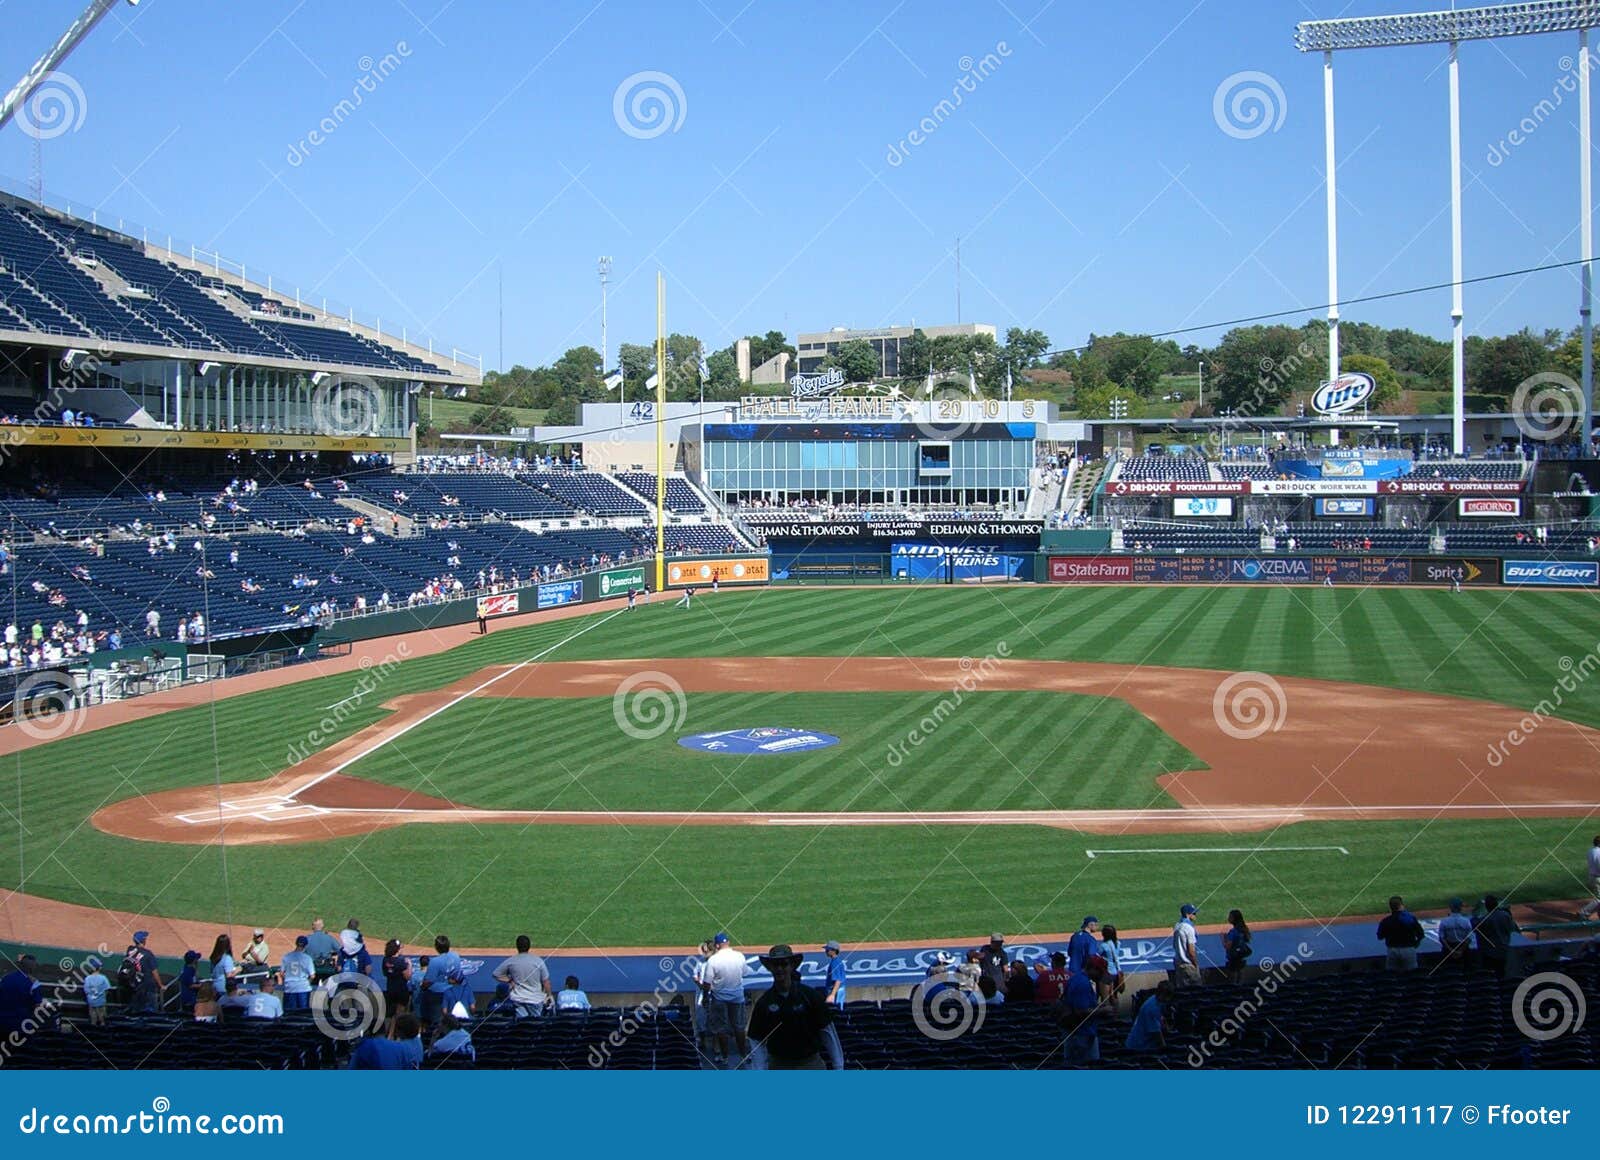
(958, 281)
(604, 267)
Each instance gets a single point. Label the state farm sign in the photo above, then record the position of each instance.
(1090, 570)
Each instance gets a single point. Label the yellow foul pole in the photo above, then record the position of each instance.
(661, 429)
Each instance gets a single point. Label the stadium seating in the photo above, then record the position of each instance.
(681, 497)
(589, 491)
(46, 285)
(1175, 468)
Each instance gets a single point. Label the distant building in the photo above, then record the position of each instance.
(813, 349)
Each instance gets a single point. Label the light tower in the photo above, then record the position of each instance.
(604, 266)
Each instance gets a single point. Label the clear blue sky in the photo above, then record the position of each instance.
(1087, 176)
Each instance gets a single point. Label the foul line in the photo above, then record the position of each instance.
(1222, 850)
(403, 730)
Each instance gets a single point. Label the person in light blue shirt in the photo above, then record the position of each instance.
(222, 964)
(571, 997)
(297, 970)
(263, 1004)
(95, 986)
(401, 1052)
(1111, 950)
(443, 968)
(1148, 1032)
(453, 1040)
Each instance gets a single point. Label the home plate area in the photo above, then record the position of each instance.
(265, 808)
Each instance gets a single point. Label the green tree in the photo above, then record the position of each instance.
(1257, 367)
(638, 363)
(1024, 348)
(724, 385)
(1388, 383)
(1505, 362)
(1095, 402)
(916, 356)
(1135, 362)
(578, 372)
(857, 358)
(764, 346)
(492, 420)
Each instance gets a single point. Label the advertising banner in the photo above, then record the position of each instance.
(1553, 573)
(1314, 487)
(1475, 570)
(1169, 487)
(1510, 506)
(923, 561)
(1345, 507)
(1450, 486)
(1091, 569)
(560, 592)
(619, 580)
(500, 604)
(743, 570)
(1205, 507)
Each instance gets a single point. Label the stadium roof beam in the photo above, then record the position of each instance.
(55, 55)
(1450, 28)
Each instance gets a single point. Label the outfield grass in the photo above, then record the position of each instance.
(613, 885)
(583, 761)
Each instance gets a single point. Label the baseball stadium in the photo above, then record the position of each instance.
(936, 689)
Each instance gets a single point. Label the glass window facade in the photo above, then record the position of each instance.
(869, 471)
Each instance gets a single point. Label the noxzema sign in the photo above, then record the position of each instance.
(770, 739)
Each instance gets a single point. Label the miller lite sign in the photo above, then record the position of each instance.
(1345, 393)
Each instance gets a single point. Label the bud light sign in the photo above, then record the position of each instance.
(918, 561)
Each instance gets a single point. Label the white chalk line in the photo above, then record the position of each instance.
(404, 729)
(1222, 850)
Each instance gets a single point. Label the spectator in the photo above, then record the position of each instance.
(205, 1002)
(353, 958)
(453, 1039)
(1082, 944)
(992, 959)
(987, 993)
(20, 996)
(970, 971)
(323, 949)
(401, 1051)
(222, 965)
(1019, 984)
(263, 1003)
(571, 996)
(1115, 981)
(790, 1020)
(188, 982)
(1079, 1010)
(1495, 931)
(1455, 936)
(296, 974)
(396, 980)
(725, 1007)
(1051, 984)
(140, 977)
(436, 981)
(1402, 934)
(1151, 1026)
(257, 954)
(95, 986)
(834, 979)
(528, 978)
(1592, 872)
(1185, 948)
(1236, 946)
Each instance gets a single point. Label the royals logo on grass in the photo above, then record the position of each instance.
(769, 739)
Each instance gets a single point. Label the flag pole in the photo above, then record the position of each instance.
(661, 431)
